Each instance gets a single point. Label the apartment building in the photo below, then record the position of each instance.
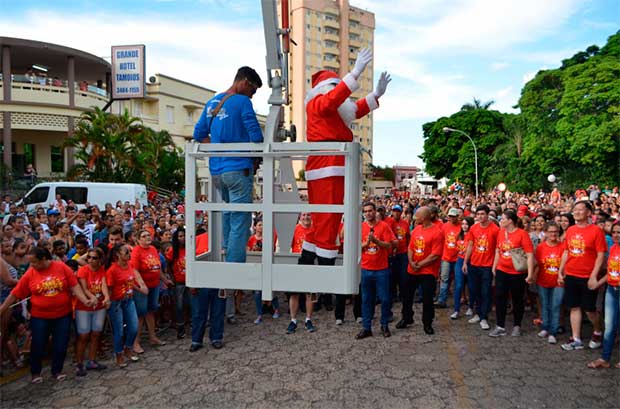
(329, 35)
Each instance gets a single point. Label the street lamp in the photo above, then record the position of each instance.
(446, 130)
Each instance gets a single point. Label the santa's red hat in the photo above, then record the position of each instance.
(324, 77)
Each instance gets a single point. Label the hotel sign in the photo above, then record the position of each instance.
(128, 71)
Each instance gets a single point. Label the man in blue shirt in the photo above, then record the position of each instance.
(234, 122)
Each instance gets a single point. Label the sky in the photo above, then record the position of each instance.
(441, 53)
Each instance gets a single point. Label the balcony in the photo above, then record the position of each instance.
(332, 23)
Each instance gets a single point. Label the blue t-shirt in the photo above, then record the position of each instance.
(235, 123)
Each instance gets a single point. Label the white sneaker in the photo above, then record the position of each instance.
(339, 322)
(516, 331)
(474, 320)
(543, 334)
(454, 315)
(552, 340)
(484, 324)
(497, 332)
(469, 312)
(359, 320)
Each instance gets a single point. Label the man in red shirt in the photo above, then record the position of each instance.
(377, 241)
(481, 242)
(582, 260)
(398, 259)
(424, 255)
(451, 230)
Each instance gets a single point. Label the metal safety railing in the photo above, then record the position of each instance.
(273, 270)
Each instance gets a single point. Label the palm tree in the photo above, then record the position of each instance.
(477, 104)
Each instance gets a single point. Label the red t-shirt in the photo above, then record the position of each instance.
(147, 262)
(517, 239)
(400, 229)
(461, 245)
(549, 259)
(298, 238)
(256, 244)
(202, 243)
(375, 257)
(423, 243)
(178, 268)
(583, 244)
(121, 280)
(450, 246)
(613, 266)
(484, 242)
(50, 290)
(94, 284)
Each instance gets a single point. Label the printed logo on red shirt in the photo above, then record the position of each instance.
(418, 249)
(451, 240)
(577, 246)
(613, 270)
(50, 286)
(551, 263)
(400, 232)
(482, 244)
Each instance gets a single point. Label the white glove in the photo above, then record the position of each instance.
(382, 84)
(363, 58)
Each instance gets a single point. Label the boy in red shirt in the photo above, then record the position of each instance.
(481, 242)
(451, 230)
(377, 241)
(424, 254)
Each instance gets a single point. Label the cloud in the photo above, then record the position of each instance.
(206, 53)
(499, 65)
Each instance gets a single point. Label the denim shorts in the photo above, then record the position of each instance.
(89, 321)
(146, 303)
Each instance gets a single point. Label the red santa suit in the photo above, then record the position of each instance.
(325, 174)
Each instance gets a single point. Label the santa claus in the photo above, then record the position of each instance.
(329, 113)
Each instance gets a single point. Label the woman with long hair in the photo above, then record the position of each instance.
(176, 265)
(507, 278)
(90, 319)
(123, 279)
(459, 276)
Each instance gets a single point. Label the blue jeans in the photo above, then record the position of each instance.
(447, 269)
(550, 304)
(612, 320)
(258, 301)
(89, 321)
(205, 304)
(235, 187)
(375, 283)
(41, 329)
(480, 290)
(123, 314)
(459, 283)
(181, 299)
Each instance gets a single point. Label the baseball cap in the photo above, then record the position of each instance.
(397, 207)
(453, 212)
(53, 212)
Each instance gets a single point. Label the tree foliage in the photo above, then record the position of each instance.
(118, 148)
(569, 125)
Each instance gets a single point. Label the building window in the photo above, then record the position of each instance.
(57, 159)
(330, 30)
(190, 116)
(354, 37)
(169, 114)
(29, 155)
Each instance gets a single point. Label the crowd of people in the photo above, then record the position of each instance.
(65, 272)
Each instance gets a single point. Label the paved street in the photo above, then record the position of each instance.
(261, 367)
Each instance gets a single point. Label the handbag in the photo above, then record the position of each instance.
(519, 258)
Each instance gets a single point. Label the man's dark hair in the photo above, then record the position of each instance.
(81, 240)
(247, 73)
(369, 204)
(586, 203)
(483, 208)
(116, 230)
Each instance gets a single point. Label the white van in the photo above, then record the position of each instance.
(80, 193)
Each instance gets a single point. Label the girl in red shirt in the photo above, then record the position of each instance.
(548, 258)
(123, 279)
(176, 264)
(89, 320)
(507, 278)
(49, 285)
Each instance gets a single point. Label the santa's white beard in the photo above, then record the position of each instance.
(347, 111)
